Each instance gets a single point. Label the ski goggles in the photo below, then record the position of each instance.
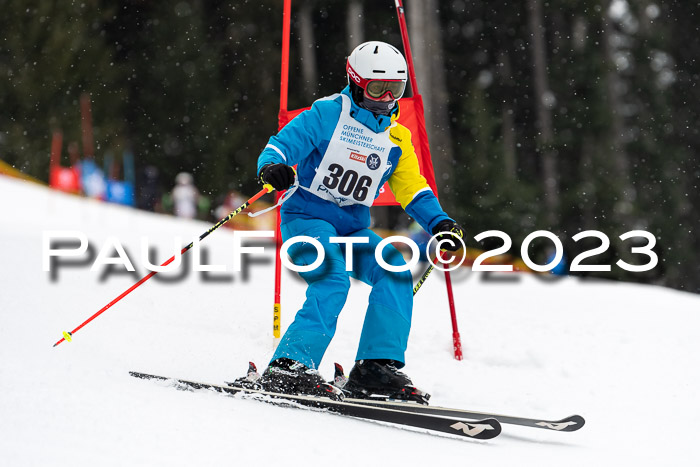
(376, 89)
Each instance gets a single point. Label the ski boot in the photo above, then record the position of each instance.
(380, 379)
(287, 376)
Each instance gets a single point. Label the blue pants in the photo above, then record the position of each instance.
(388, 318)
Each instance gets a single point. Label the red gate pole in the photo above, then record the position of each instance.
(284, 84)
(282, 120)
(456, 339)
(406, 46)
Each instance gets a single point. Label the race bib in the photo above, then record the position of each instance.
(354, 163)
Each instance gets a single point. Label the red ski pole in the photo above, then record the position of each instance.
(456, 339)
(68, 335)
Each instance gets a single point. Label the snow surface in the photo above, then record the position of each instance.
(623, 356)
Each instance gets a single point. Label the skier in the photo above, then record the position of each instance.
(345, 147)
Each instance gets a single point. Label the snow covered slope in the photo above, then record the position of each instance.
(626, 357)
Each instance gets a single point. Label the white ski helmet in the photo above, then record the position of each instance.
(378, 69)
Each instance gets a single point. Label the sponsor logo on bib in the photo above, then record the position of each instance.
(357, 157)
(373, 162)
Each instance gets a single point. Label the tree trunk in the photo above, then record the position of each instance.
(307, 51)
(626, 191)
(588, 189)
(510, 162)
(544, 100)
(428, 54)
(354, 22)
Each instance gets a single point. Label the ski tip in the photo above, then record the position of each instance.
(572, 423)
(339, 369)
(578, 420)
(496, 428)
(490, 433)
(139, 375)
(252, 368)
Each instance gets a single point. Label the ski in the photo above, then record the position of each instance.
(571, 423)
(481, 429)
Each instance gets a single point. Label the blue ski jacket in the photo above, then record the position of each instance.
(304, 141)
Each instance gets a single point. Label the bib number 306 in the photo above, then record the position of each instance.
(348, 182)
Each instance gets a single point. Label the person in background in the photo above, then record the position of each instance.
(149, 189)
(185, 196)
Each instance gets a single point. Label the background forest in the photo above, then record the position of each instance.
(561, 115)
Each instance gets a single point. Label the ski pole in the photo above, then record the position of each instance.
(425, 275)
(68, 335)
(422, 279)
(427, 272)
(456, 339)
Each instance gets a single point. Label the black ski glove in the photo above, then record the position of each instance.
(452, 227)
(280, 176)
